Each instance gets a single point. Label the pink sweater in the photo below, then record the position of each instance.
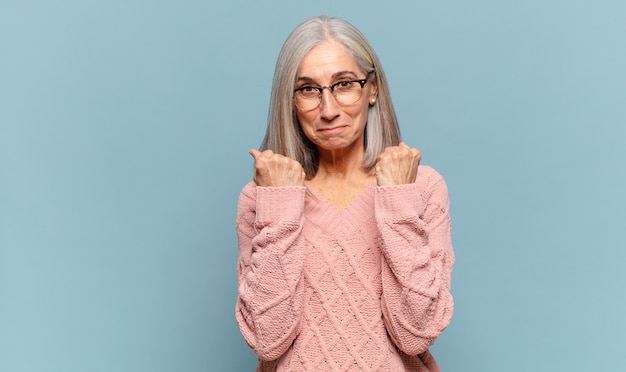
(363, 288)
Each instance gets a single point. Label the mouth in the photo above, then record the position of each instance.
(332, 129)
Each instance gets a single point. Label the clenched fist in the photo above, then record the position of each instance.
(274, 170)
(397, 165)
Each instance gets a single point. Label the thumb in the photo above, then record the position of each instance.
(255, 153)
(402, 144)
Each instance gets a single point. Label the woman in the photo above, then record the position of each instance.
(345, 254)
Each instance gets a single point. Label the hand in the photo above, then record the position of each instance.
(274, 170)
(397, 165)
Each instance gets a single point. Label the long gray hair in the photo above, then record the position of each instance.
(284, 136)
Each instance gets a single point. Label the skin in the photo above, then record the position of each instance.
(338, 132)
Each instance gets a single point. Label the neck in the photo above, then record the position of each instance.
(340, 164)
(340, 176)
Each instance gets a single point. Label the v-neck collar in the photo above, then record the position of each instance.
(330, 217)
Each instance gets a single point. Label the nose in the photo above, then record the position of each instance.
(329, 108)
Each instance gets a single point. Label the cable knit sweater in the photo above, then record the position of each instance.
(363, 288)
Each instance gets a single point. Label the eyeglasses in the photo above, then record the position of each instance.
(346, 92)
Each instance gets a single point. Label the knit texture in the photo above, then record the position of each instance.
(363, 288)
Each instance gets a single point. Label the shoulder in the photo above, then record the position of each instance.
(248, 190)
(431, 184)
(428, 176)
(247, 196)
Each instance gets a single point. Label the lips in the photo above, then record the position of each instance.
(332, 129)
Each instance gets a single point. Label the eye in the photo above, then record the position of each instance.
(309, 91)
(344, 84)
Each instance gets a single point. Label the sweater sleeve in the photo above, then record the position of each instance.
(415, 237)
(270, 266)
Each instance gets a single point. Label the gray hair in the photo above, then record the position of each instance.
(284, 136)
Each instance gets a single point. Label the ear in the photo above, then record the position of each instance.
(373, 92)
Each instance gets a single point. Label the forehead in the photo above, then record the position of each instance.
(327, 58)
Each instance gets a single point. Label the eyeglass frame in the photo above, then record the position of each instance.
(331, 87)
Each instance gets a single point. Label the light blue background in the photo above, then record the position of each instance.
(124, 130)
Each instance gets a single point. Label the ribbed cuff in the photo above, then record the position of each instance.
(279, 203)
(399, 200)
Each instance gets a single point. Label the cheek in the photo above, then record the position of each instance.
(363, 111)
(305, 125)
(306, 119)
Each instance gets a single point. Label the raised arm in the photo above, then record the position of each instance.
(271, 258)
(415, 234)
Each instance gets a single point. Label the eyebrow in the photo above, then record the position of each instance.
(334, 76)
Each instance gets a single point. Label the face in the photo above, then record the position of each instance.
(333, 126)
